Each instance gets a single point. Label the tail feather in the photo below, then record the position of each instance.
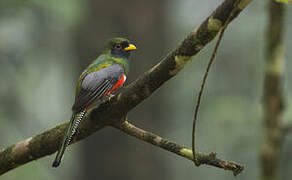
(71, 129)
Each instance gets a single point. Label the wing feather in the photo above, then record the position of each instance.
(95, 85)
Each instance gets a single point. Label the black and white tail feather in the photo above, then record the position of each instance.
(71, 129)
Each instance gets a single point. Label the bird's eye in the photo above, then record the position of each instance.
(118, 47)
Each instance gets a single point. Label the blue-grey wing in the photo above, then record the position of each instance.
(95, 85)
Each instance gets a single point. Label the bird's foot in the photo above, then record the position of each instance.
(110, 96)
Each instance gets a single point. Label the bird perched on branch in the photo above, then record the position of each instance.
(103, 76)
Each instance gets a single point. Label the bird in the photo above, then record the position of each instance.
(106, 74)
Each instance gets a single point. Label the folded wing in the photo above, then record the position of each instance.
(95, 85)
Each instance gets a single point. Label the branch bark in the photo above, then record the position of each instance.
(273, 93)
(111, 112)
(202, 158)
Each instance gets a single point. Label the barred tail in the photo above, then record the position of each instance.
(71, 129)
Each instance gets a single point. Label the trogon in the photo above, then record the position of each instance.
(103, 76)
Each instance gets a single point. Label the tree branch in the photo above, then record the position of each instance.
(273, 93)
(112, 111)
(202, 158)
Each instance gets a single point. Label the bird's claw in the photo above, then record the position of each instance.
(110, 96)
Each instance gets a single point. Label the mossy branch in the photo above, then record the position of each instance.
(112, 111)
(202, 158)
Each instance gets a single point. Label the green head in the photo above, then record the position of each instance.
(119, 48)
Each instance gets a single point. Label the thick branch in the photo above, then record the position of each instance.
(202, 158)
(109, 112)
(40, 145)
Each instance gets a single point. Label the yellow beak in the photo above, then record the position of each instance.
(130, 47)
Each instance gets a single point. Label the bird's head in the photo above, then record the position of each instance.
(120, 47)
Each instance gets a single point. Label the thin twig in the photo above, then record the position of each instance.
(203, 158)
(197, 163)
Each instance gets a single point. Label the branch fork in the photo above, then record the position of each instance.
(111, 113)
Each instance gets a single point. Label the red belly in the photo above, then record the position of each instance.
(118, 85)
